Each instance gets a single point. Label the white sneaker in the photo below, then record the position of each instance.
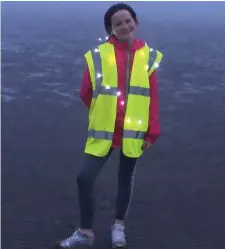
(118, 236)
(75, 241)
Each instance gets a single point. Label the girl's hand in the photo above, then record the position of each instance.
(146, 145)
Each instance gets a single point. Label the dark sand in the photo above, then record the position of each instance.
(179, 195)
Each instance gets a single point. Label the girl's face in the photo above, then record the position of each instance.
(123, 25)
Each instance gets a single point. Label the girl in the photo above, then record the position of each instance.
(120, 89)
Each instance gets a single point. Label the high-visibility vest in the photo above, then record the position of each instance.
(102, 113)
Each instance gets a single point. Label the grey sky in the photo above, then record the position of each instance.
(206, 8)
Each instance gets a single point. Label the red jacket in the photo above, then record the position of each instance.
(121, 56)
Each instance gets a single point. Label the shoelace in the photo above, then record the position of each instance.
(119, 231)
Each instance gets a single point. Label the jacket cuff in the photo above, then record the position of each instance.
(150, 139)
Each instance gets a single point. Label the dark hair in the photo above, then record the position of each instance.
(112, 10)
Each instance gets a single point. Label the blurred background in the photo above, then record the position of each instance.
(179, 196)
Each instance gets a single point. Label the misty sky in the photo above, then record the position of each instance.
(214, 10)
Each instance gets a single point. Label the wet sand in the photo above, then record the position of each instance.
(179, 195)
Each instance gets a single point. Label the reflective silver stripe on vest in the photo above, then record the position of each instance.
(98, 71)
(109, 135)
(152, 57)
(100, 134)
(137, 90)
(105, 91)
(133, 134)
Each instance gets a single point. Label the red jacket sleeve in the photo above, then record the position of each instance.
(154, 127)
(86, 88)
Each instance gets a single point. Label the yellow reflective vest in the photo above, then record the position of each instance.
(102, 113)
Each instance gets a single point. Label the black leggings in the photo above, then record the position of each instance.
(90, 169)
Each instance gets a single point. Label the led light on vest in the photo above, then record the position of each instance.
(122, 103)
(118, 93)
(96, 50)
(139, 122)
(99, 75)
(106, 38)
(151, 49)
(107, 87)
(100, 39)
(128, 121)
(156, 65)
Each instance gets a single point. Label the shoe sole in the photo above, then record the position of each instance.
(118, 246)
(58, 246)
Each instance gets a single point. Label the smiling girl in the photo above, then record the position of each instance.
(120, 89)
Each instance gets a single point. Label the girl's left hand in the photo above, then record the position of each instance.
(146, 145)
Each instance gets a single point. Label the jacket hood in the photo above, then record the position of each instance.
(136, 44)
